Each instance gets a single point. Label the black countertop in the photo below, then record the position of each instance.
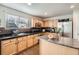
(64, 41)
(19, 35)
(11, 34)
(15, 36)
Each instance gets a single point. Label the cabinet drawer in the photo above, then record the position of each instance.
(21, 46)
(13, 41)
(5, 42)
(30, 42)
(20, 39)
(24, 38)
(8, 41)
(35, 41)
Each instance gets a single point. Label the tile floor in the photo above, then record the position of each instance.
(31, 51)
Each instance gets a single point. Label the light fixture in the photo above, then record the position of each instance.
(29, 4)
(72, 6)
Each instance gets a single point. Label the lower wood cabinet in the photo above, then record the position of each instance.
(16, 45)
(8, 48)
(22, 44)
(35, 40)
(25, 39)
(30, 41)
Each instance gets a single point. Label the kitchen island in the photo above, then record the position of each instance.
(62, 46)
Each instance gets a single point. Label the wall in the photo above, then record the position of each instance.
(4, 10)
(61, 17)
(76, 23)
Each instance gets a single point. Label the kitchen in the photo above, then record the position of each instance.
(24, 34)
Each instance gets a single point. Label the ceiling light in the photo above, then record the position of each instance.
(29, 4)
(72, 6)
(45, 13)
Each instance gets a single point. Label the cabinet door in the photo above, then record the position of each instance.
(35, 40)
(5, 42)
(21, 44)
(30, 41)
(25, 39)
(8, 49)
(46, 24)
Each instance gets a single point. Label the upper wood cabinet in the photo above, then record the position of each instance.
(46, 24)
(37, 22)
(50, 23)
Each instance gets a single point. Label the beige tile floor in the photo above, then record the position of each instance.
(31, 51)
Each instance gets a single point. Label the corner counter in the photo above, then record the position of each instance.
(15, 44)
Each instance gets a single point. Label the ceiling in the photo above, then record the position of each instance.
(42, 9)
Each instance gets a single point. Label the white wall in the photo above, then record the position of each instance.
(4, 10)
(76, 23)
(61, 17)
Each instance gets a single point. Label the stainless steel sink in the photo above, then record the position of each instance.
(21, 34)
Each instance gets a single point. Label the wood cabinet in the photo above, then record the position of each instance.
(30, 41)
(22, 43)
(50, 23)
(35, 39)
(46, 23)
(16, 45)
(8, 47)
(37, 21)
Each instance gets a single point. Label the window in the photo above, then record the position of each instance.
(15, 22)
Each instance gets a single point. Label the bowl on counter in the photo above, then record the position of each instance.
(53, 36)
